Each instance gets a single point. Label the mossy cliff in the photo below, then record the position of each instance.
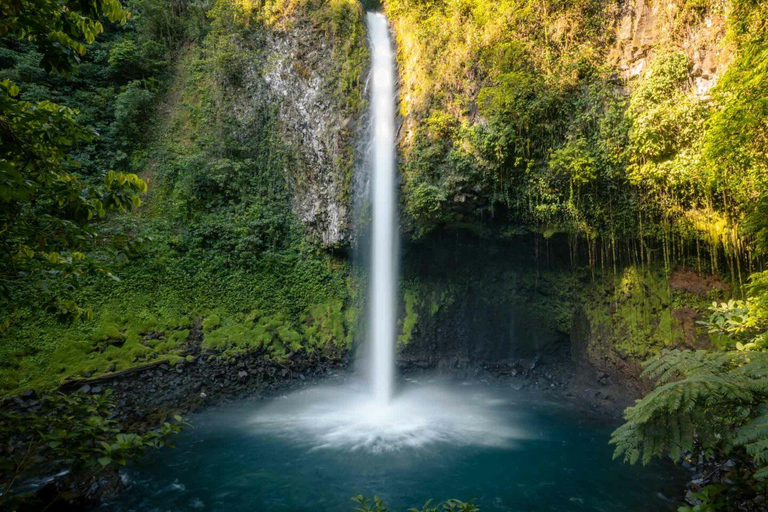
(468, 301)
(624, 319)
(607, 121)
(520, 122)
(574, 177)
(249, 159)
(279, 87)
(604, 128)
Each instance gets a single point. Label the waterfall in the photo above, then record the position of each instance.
(351, 415)
(383, 280)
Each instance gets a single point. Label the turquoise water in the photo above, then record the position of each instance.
(554, 457)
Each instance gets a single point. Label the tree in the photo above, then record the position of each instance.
(61, 29)
(47, 207)
(713, 403)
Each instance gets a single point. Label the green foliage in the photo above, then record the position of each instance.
(133, 107)
(736, 142)
(453, 505)
(216, 236)
(639, 320)
(326, 329)
(574, 162)
(513, 159)
(46, 206)
(321, 330)
(161, 22)
(664, 117)
(667, 421)
(73, 432)
(408, 323)
(730, 321)
(711, 497)
(713, 402)
(754, 438)
(250, 332)
(524, 120)
(60, 29)
(343, 22)
(703, 401)
(758, 299)
(49, 199)
(376, 504)
(129, 61)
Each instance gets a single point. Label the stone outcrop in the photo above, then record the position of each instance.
(315, 127)
(647, 26)
(296, 69)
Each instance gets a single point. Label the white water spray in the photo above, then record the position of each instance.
(382, 319)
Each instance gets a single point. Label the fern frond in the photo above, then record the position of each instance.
(700, 399)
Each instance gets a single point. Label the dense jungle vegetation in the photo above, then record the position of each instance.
(140, 205)
(516, 111)
(216, 235)
(138, 208)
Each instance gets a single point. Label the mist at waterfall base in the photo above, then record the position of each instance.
(368, 415)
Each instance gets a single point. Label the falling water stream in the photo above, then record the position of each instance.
(383, 278)
(313, 449)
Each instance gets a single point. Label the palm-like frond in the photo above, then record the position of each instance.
(705, 399)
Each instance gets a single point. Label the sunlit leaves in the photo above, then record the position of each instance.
(556, 137)
(574, 162)
(61, 29)
(736, 141)
(665, 117)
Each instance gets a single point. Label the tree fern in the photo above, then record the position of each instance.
(754, 437)
(706, 400)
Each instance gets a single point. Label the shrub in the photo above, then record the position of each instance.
(133, 107)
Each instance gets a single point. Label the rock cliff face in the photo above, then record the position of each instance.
(473, 303)
(646, 26)
(313, 71)
(470, 301)
(302, 59)
(318, 131)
